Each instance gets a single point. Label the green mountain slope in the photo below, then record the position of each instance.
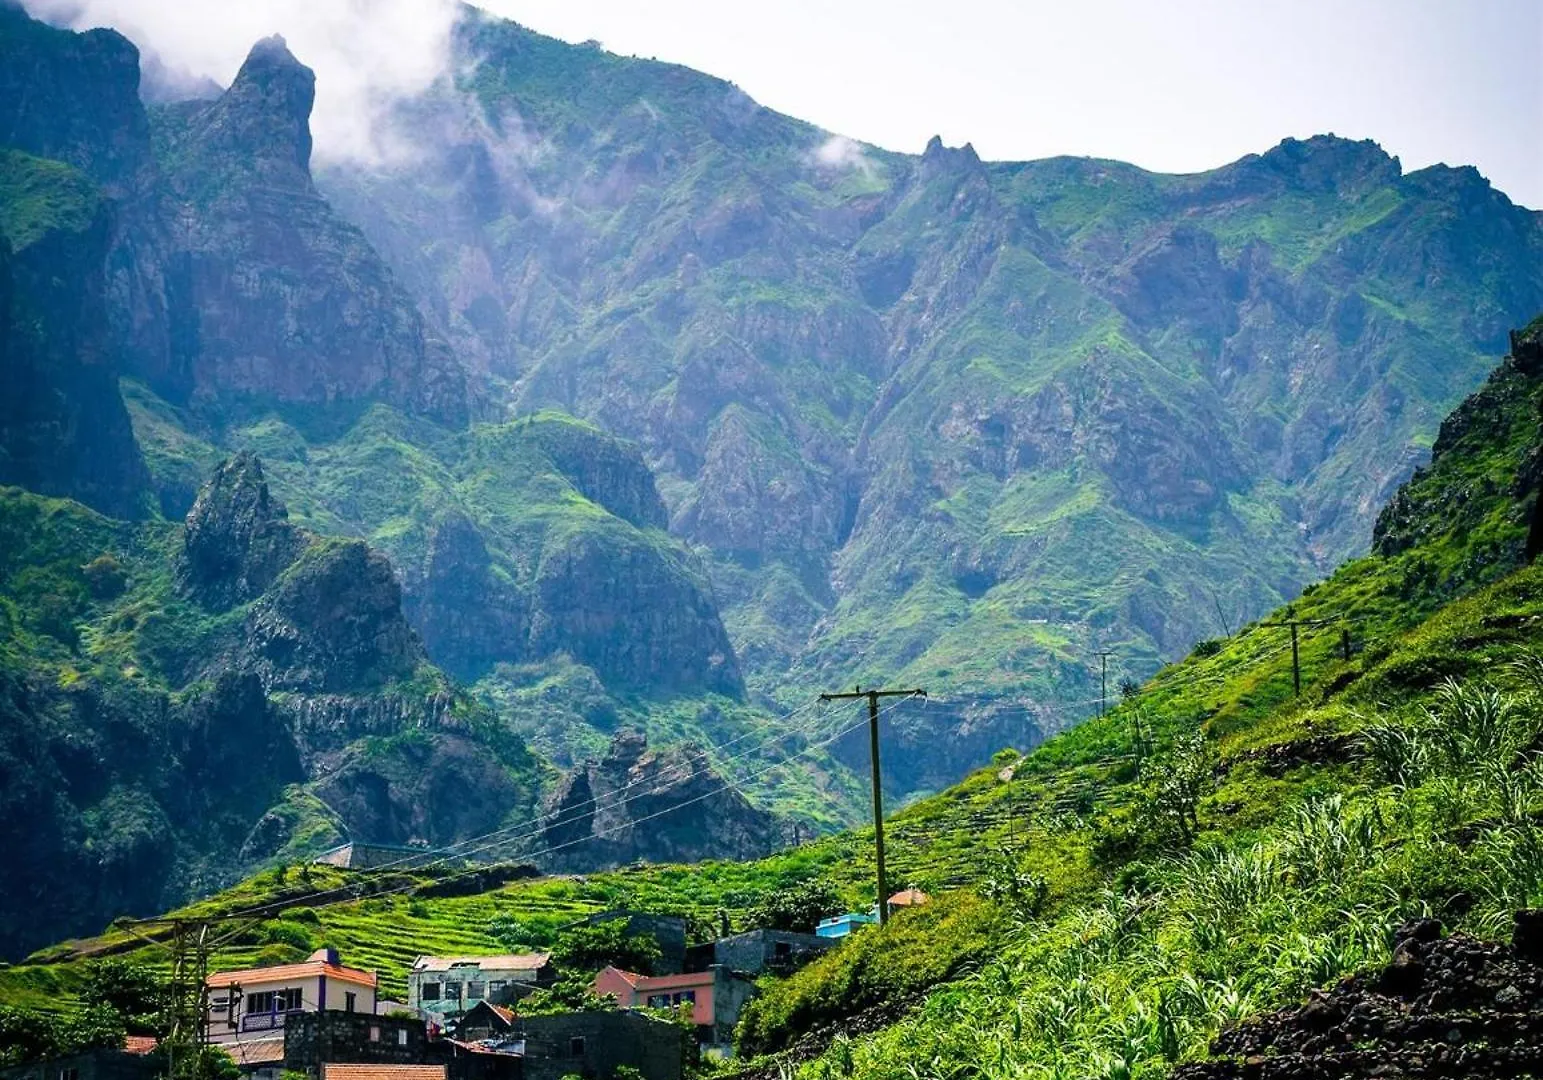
(937, 420)
(1213, 846)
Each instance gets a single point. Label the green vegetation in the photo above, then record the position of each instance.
(38, 196)
(1212, 846)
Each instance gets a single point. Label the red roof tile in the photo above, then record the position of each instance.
(283, 972)
(140, 1044)
(382, 1072)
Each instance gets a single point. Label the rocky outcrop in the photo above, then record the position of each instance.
(63, 427)
(1444, 1007)
(283, 301)
(1483, 479)
(333, 622)
(237, 538)
(638, 805)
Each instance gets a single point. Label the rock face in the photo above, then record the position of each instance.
(611, 812)
(279, 299)
(238, 538)
(63, 427)
(1484, 477)
(1444, 1007)
(916, 411)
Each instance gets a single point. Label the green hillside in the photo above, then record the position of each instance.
(1214, 846)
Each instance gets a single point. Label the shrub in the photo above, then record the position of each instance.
(919, 948)
(798, 907)
(105, 577)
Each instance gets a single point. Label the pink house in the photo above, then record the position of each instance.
(714, 996)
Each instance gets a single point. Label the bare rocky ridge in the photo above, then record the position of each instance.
(607, 813)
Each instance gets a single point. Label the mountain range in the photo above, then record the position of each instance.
(626, 403)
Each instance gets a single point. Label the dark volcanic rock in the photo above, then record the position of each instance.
(1444, 1007)
(279, 299)
(63, 427)
(613, 812)
(332, 623)
(238, 538)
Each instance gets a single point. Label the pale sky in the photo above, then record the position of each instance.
(1173, 85)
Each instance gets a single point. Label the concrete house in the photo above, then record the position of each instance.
(714, 997)
(840, 926)
(447, 986)
(249, 1009)
(668, 931)
(756, 951)
(134, 1061)
(593, 1044)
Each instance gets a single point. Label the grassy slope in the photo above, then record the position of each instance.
(1109, 945)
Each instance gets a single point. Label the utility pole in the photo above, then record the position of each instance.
(1103, 679)
(878, 789)
(1296, 656)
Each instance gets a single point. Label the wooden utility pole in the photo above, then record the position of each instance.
(1296, 656)
(878, 788)
(1103, 679)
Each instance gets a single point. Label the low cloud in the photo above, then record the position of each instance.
(368, 55)
(841, 153)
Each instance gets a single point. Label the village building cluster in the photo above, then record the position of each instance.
(462, 1019)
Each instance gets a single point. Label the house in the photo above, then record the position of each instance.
(103, 1063)
(912, 897)
(315, 1040)
(249, 1009)
(714, 997)
(485, 1021)
(448, 986)
(757, 951)
(840, 926)
(668, 931)
(593, 1044)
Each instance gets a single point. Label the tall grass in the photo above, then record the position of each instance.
(1130, 982)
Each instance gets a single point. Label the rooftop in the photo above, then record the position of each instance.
(255, 1051)
(284, 972)
(505, 962)
(336, 1071)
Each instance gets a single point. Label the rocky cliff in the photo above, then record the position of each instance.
(181, 704)
(619, 810)
(258, 251)
(941, 420)
(63, 426)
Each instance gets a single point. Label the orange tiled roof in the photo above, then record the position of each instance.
(382, 1072)
(283, 972)
(140, 1044)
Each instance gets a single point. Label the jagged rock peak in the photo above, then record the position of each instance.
(264, 118)
(238, 537)
(938, 159)
(1328, 162)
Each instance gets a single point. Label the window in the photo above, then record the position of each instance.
(401, 1036)
(496, 987)
(430, 992)
(350, 1001)
(289, 999)
(784, 950)
(374, 1033)
(576, 1046)
(476, 990)
(453, 990)
(260, 1002)
(658, 1001)
(69, 1074)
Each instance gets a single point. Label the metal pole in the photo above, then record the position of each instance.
(1296, 662)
